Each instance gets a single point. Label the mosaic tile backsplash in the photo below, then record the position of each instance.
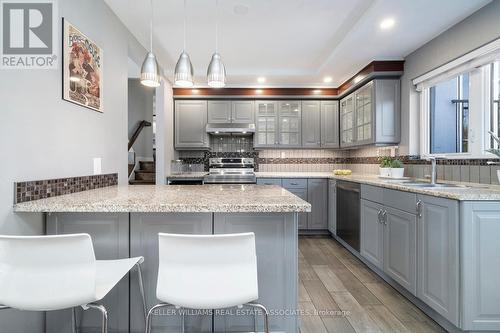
(41, 189)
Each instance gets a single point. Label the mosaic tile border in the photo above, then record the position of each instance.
(408, 159)
(204, 160)
(41, 189)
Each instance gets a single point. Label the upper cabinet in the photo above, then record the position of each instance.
(278, 124)
(371, 114)
(190, 125)
(226, 111)
(329, 124)
(289, 120)
(266, 129)
(311, 122)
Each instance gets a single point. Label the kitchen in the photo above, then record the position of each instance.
(361, 184)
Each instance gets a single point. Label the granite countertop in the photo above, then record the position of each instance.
(470, 191)
(172, 198)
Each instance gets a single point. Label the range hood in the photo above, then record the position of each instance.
(230, 129)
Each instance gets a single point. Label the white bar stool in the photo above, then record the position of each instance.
(207, 272)
(46, 273)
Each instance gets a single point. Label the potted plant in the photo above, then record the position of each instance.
(495, 151)
(397, 169)
(385, 166)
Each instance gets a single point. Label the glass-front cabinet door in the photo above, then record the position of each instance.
(347, 121)
(266, 131)
(289, 123)
(364, 114)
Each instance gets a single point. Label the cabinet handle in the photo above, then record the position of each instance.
(295, 184)
(419, 208)
(384, 217)
(379, 215)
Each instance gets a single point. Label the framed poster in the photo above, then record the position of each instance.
(82, 69)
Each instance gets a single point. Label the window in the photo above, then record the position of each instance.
(449, 115)
(495, 96)
(460, 104)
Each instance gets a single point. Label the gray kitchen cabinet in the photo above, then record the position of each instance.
(275, 239)
(371, 114)
(289, 124)
(109, 232)
(219, 111)
(190, 125)
(438, 255)
(400, 247)
(242, 112)
(317, 196)
(301, 193)
(226, 111)
(330, 124)
(269, 181)
(266, 129)
(332, 206)
(372, 233)
(479, 265)
(346, 127)
(311, 124)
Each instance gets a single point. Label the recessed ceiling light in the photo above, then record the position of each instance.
(387, 23)
(261, 79)
(327, 79)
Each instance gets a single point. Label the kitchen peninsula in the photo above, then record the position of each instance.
(124, 221)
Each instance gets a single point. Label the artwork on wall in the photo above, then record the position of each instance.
(82, 69)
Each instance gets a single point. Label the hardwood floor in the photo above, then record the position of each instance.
(339, 294)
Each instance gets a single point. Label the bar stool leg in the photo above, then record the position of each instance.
(183, 321)
(150, 315)
(74, 320)
(141, 289)
(265, 314)
(104, 313)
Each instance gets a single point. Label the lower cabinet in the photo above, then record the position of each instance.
(388, 241)
(372, 233)
(315, 191)
(332, 206)
(438, 255)
(400, 251)
(301, 193)
(317, 195)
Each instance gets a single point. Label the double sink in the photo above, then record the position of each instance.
(427, 185)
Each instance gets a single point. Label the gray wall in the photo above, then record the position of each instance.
(42, 136)
(140, 107)
(476, 30)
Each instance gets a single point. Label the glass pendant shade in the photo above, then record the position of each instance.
(216, 73)
(150, 76)
(183, 75)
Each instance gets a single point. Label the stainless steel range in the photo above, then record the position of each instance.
(231, 170)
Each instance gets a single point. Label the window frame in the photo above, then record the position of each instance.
(478, 64)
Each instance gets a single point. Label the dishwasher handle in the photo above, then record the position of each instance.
(348, 187)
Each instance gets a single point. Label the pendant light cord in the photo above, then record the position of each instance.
(184, 45)
(216, 25)
(151, 28)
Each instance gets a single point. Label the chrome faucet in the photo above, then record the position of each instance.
(433, 160)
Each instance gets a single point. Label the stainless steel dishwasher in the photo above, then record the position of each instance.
(348, 213)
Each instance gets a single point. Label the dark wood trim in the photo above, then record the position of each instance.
(255, 92)
(373, 67)
(385, 66)
(142, 124)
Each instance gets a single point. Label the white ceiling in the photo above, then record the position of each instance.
(290, 42)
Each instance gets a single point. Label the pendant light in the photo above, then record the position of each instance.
(216, 73)
(183, 75)
(150, 76)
